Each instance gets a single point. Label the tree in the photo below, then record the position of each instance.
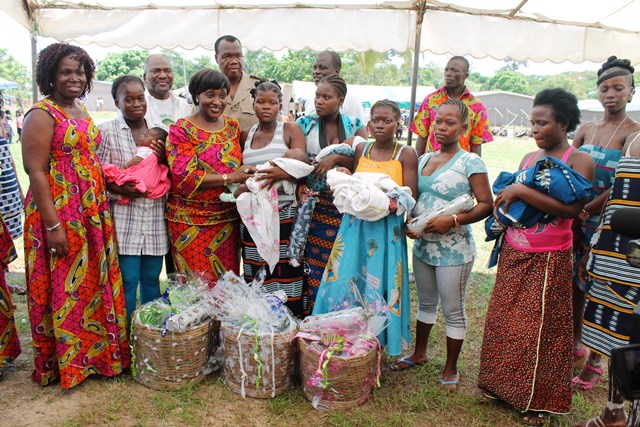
(11, 69)
(117, 64)
(510, 81)
(511, 64)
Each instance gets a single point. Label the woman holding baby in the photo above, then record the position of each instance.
(277, 146)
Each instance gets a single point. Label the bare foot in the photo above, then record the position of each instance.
(533, 418)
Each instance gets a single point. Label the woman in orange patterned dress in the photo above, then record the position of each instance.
(204, 155)
(74, 288)
(9, 343)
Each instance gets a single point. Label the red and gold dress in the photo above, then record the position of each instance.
(9, 343)
(204, 231)
(76, 304)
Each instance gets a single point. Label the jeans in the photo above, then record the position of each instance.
(143, 270)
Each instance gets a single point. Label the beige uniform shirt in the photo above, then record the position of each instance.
(241, 107)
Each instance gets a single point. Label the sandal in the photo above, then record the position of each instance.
(578, 384)
(579, 357)
(533, 418)
(451, 385)
(395, 366)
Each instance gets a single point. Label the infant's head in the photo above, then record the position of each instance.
(296, 154)
(152, 134)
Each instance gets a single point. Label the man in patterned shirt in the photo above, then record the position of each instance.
(455, 74)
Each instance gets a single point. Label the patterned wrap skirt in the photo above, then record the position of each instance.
(9, 342)
(284, 276)
(526, 357)
(322, 233)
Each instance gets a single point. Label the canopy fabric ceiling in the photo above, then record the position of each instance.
(537, 30)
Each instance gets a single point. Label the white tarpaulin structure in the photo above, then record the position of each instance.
(538, 30)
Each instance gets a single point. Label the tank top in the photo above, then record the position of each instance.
(276, 148)
(258, 156)
(392, 167)
(554, 236)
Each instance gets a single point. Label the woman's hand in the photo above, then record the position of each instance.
(268, 177)
(301, 189)
(241, 189)
(127, 189)
(408, 232)
(440, 224)
(158, 147)
(57, 242)
(583, 274)
(507, 196)
(240, 175)
(325, 165)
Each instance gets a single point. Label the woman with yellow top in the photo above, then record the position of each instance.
(204, 155)
(376, 251)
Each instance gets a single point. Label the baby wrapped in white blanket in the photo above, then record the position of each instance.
(367, 195)
(258, 207)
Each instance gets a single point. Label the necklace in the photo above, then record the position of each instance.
(626, 116)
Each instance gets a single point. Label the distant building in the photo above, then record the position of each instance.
(506, 108)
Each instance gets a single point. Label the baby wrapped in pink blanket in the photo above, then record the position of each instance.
(144, 170)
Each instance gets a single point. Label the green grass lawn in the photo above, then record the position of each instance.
(409, 398)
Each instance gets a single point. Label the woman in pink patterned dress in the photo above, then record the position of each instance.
(74, 288)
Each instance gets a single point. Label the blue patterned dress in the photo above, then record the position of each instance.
(606, 160)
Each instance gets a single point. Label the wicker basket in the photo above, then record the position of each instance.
(172, 361)
(278, 365)
(350, 378)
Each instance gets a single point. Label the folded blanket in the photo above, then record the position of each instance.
(364, 194)
(549, 175)
(462, 203)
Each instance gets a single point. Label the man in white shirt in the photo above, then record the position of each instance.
(328, 63)
(163, 107)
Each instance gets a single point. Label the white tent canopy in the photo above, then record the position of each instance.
(538, 30)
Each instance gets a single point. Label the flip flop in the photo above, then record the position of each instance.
(450, 386)
(395, 366)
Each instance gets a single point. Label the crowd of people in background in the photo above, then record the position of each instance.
(165, 183)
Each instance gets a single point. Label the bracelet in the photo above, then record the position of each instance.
(50, 229)
(456, 223)
(224, 179)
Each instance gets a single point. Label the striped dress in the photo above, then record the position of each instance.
(616, 288)
(606, 160)
(284, 276)
(10, 200)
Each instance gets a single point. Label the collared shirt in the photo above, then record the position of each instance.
(241, 107)
(164, 112)
(477, 133)
(140, 225)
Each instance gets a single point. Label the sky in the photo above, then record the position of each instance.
(17, 41)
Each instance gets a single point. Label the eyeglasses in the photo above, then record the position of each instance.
(230, 56)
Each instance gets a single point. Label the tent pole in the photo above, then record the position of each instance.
(34, 54)
(416, 60)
